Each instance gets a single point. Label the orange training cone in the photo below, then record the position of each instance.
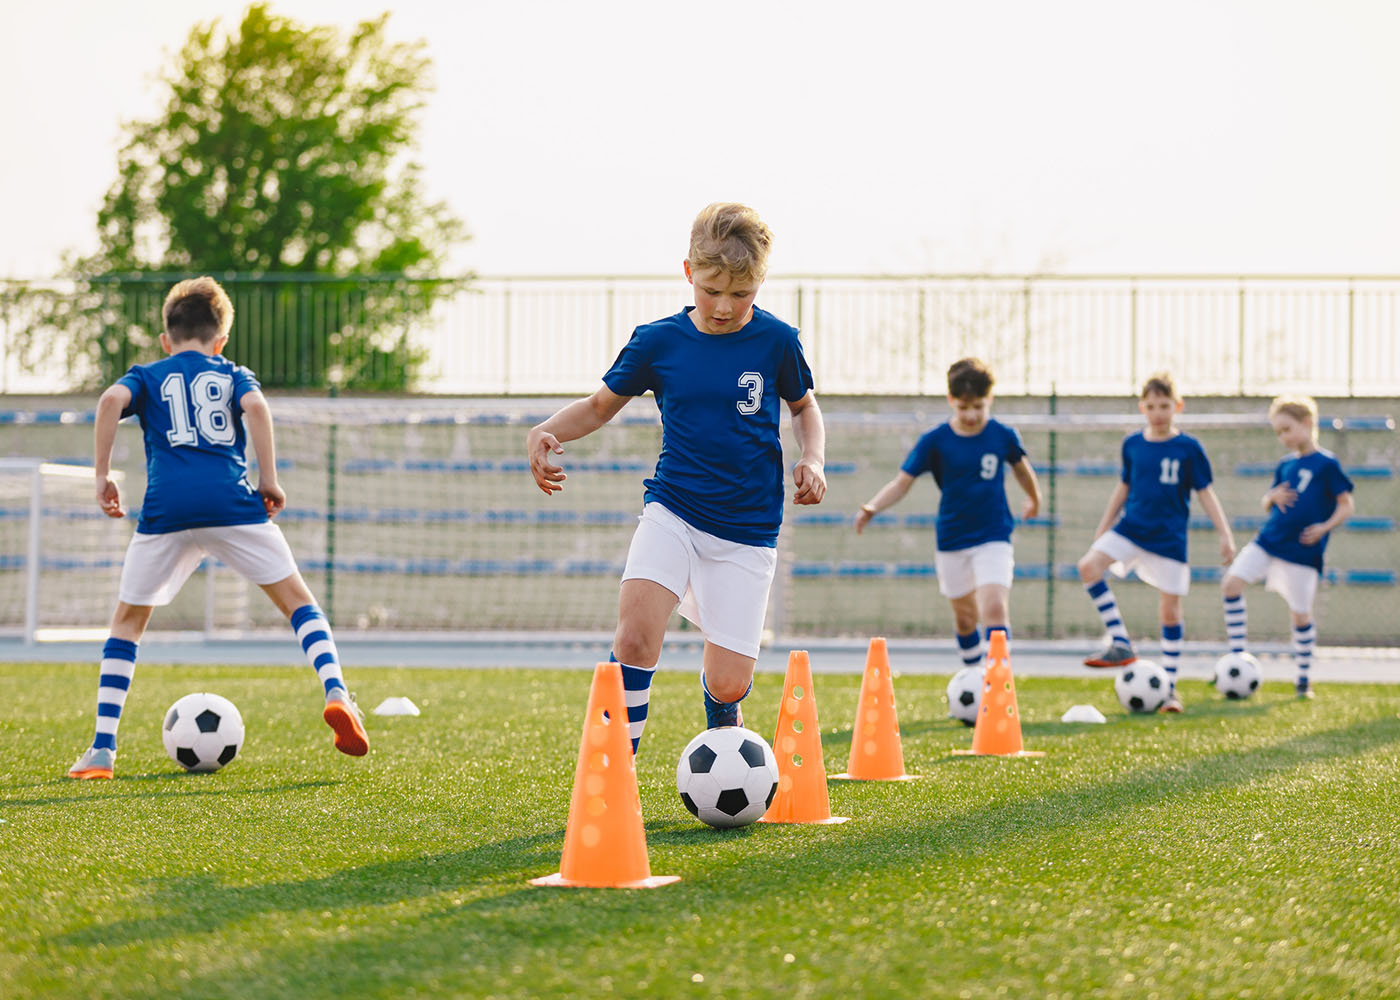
(801, 796)
(876, 753)
(998, 729)
(605, 846)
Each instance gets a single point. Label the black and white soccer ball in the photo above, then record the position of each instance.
(202, 732)
(1237, 675)
(965, 694)
(1142, 686)
(727, 776)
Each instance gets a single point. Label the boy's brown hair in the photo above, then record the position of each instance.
(970, 377)
(1301, 408)
(1161, 383)
(197, 309)
(731, 238)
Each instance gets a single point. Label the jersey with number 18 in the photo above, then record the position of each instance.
(189, 406)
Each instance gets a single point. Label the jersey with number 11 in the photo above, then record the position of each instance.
(190, 413)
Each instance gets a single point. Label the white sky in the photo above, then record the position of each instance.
(1082, 135)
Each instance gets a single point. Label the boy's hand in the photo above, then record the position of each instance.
(109, 497)
(1313, 534)
(274, 498)
(1030, 508)
(810, 480)
(1227, 550)
(548, 476)
(863, 517)
(1282, 496)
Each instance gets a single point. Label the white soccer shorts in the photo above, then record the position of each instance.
(1295, 583)
(722, 586)
(157, 566)
(962, 571)
(1168, 575)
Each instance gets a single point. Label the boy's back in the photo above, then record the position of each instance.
(192, 421)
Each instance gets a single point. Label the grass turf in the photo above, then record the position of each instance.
(1242, 849)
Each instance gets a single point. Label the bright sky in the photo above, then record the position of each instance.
(1080, 135)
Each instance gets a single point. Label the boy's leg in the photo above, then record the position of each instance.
(643, 608)
(113, 683)
(1119, 652)
(965, 624)
(294, 599)
(1236, 616)
(994, 609)
(1172, 632)
(725, 680)
(1304, 639)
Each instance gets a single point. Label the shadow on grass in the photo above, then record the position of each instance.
(88, 791)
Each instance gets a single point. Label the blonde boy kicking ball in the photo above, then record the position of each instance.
(707, 536)
(193, 407)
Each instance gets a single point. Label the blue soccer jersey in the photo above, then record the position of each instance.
(721, 463)
(196, 475)
(1318, 480)
(971, 472)
(1160, 476)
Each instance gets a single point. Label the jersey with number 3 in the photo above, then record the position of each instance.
(721, 463)
(1318, 480)
(971, 473)
(1160, 476)
(196, 475)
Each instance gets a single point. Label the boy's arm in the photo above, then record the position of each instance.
(1115, 505)
(257, 417)
(1212, 506)
(1314, 533)
(109, 413)
(809, 429)
(578, 419)
(1025, 475)
(887, 496)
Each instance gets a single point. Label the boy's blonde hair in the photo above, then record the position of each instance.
(731, 238)
(970, 377)
(1161, 383)
(1300, 408)
(197, 309)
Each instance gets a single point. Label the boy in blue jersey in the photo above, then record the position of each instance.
(707, 536)
(1309, 497)
(193, 407)
(968, 456)
(1144, 526)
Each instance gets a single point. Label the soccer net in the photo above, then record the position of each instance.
(420, 516)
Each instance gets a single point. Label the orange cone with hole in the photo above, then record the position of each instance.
(605, 846)
(998, 729)
(876, 753)
(801, 796)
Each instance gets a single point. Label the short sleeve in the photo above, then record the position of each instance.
(632, 374)
(136, 385)
(1201, 475)
(1124, 456)
(1015, 449)
(794, 375)
(1340, 482)
(921, 457)
(244, 382)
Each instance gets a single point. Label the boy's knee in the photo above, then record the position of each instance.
(1088, 570)
(730, 688)
(1232, 586)
(632, 647)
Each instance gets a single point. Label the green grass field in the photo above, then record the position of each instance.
(1239, 850)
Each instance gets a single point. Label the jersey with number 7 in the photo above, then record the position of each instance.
(196, 473)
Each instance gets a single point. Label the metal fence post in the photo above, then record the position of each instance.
(1351, 337)
(1241, 339)
(1026, 309)
(1051, 578)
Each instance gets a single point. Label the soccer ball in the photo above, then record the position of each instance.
(1237, 675)
(965, 694)
(202, 732)
(1142, 686)
(727, 776)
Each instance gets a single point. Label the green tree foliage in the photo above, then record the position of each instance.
(280, 164)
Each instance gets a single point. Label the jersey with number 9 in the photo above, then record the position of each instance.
(190, 413)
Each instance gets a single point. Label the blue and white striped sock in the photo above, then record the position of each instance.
(113, 683)
(636, 688)
(1236, 623)
(1304, 638)
(1171, 650)
(314, 634)
(1108, 611)
(971, 646)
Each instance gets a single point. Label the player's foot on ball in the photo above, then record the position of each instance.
(723, 713)
(94, 763)
(344, 716)
(1173, 705)
(1115, 654)
(1304, 693)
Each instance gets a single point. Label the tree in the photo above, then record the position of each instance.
(282, 153)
